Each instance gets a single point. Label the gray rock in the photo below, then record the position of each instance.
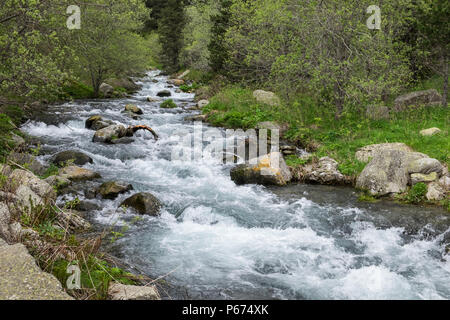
(112, 189)
(108, 134)
(22, 279)
(164, 93)
(427, 98)
(143, 203)
(266, 97)
(97, 123)
(425, 166)
(28, 161)
(366, 153)
(41, 188)
(78, 158)
(74, 173)
(5, 218)
(5, 170)
(444, 182)
(435, 192)
(202, 103)
(387, 173)
(118, 291)
(326, 173)
(18, 141)
(58, 181)
(133, 109)
(420, 177)
(430, 132)
(265, 171)
(106, 90)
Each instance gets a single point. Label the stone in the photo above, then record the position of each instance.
(444, 182)
(177, 82)
(366, 153)
(18, 141)
(425, 166)
(5, 170)
(26, 197)
(127, 83)
(430, 132)
(387, 173)
(97, 123)
(200, 117)
(108, 134)
(326, 172)
(435, 192)
(29, 161)
(112, 189)
(5, 218)
(106, 90)
(164, 93)
(74, 173)
(58, 181)
(270, 169)
(267, 97)
(76, 157)
(22, 279)
(202, 103)
(420, 177)
(143, 203)
(41, 188)
(419, 98)
(118, 291)
(133, 109)
(150, 99)
(376, 112)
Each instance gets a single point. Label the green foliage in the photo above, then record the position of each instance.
(217, 48)
(77, 90)
(15, 113)
(364, 197)
(294, 161)
(417, 193)
(189, 88)
(168, 104)
(6, 128)
(52, 170)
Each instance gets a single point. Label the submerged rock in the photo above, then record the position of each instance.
(133, 109)
(118, 291)
(144, 203)
(270, 169)
(78, 158)
(75, 173)
(112, 189)
(97, 123)
(164, 93)
(108, 134)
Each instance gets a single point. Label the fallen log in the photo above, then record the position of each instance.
(132, 130)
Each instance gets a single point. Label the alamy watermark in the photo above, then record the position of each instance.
(74, 280)
(374, 21)
(74, 20)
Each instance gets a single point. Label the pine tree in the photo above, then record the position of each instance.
(216, 47)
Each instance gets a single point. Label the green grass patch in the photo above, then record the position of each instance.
(417, 193)
(77, 90)
(168, 104)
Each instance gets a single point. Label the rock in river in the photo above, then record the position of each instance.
(108, 134)
(75, 173)
(143, 203)
(77, 157)
(133, 109)
(112, 189)
(164, 93)
(96, 123)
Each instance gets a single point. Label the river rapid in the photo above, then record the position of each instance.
(221, 241)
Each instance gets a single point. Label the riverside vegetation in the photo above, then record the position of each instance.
(336, 85)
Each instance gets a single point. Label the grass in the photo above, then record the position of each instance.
(313, 126)
(168, 104)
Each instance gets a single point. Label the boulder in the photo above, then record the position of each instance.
(22, 178)
(200, 117)
(387, 173)
(164, 93)
(18, 141)
(118, 291)
(435, 192)
(425, 165)
(143, 203)
(78, 158)
(5, 218)
(58, 182)
(22, 279)
(127, 83)
(326, 172)
(133, 109)
(366, 153)
(112, 189)
(376, 112)
(444, 182)
(270, 169)
(177, 82)
(5, 170)
(267, 97)
(419, 98)
(202, 103)
(25, 197)
(430, 132)
(150, 99)
(74, 173)
(97, 123)
(108, 134)
(106, 90)
(426, 178)
(29, 161)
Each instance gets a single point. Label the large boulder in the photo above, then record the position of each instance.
(326, 172)
(108, 134)
(366, 153)
(77, 157)
(21, 178)
(22, 279)
(435, 192)
(266, 97)
(144, 203)
(29, 161)
(118, 291)
(133, 109)
(112, 189)
(426, 178)
(96, 123)
(74, 173)
(425, 166)
(270, 169)
(387, 173)
(127, 83)
(106, 90)
(419, 98)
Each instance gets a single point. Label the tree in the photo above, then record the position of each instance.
(216, 46)
(170, 30)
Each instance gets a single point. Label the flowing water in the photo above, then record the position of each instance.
(221, 241)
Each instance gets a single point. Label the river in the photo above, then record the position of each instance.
(221, 241)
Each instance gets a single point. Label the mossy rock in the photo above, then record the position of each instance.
(112, 189)
(144, 203)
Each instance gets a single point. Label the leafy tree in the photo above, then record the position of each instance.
(216, 47)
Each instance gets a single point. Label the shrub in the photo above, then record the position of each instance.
(168, 104)
(417, 193)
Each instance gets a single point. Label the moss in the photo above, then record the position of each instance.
(364, 197)
(168, 104)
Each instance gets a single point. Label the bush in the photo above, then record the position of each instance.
(168, 104)
(417, 193)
